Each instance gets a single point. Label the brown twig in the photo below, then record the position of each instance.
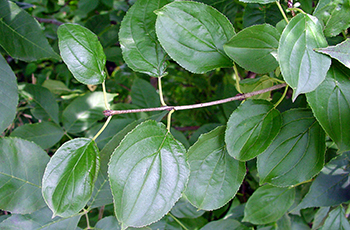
(47, 20)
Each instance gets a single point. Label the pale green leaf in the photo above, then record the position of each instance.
(303, 68)
(337, 220)
(193, 34)
(22, 166)
(56, 87)
(147, 173)
(254, 84)
(82, 52)
(69, 177)
(341, 52)
(258, 1)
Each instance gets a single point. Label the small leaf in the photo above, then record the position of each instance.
(8, 95)
(225, 224)
(341, 52)
(268, 204)
(320, 216)
(255, 48)
(330, 103)
(22, 166)
(143, 94)
(296, 154)
(44, 134)
(184, 209)
(251, 129)
(302, 68)
(215, 176)
(56, 87)
(21, 35)
(193, 34)
(82, 53)
(147, 173)
(254, 84)
(141, 49)
(69, 177)
(258, 1)
(109, 222)
(337, 220)
(331, 186)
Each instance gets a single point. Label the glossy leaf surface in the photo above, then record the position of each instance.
(337, 220)
(268, 204)
(251, 128)
(215, 176)
(255, 48)
(330, 103)
(8, 95)
(193, 34)
(141, 49)
(21, 35)
(341, 52)
(303, 68)
(147, 173)
(69, 177)
(22, 166)
(82, 53)
(296, 154)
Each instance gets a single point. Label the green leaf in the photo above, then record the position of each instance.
(296, 154)
(46, 107)
(320, 216)
(21, 35)
(141, 49)
(8, 95)
(302, 68)
(251, 129)
(268, 204)
(82, 53)
(331, 186)
(258, 1)
(259, 14)
(56, 87)
(225, 224)
(21, 168)
(330, 103)
(193, 34)
(44, 134)
(147, 173)
(255, 48)
(69, 177)
(109, 222)
(184, 209)
(254, 84)
(143, 94)
(337, 220)
(335, 15)
(215, 176)
(341, 52)
(84, 111)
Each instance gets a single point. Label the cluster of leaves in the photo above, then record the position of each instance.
(274, 161)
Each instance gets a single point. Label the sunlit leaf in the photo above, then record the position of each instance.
(341, 52)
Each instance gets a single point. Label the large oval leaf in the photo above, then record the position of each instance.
(255, 48)
(330, 103)
(303, 68)
(141, 49)
(8, 95)
(147, 173)
(215, 176)
(193, 34)
(22, 166)
(82, 53)
(268, 204)
(296, 154)
(251, 128)
(69, 177)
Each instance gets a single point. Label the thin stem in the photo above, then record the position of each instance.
(161, 91)
(103, 128)
(282, 11)
(238, 87)
(195, 106)
(297, 9)
(179, 222)
(169, 119)
(87, 219)
(105, 95)
(283, 96)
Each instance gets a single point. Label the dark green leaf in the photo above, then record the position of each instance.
(224, 224)
(255, 48)
(193, 34)
(258, 1)
(296, 154)
(341, 52)
(251, 129)
(147, 173)
(302, 68)
(254, 84)
(330, 103)
(44, 134)
(337, 220)
(21, 35)
(69, 177)
(184, 209)
(8, 95)
(331, 187)
(320, 216)
(268, 204)
(107, 223)
(143, 94)
(82, 53)
(22, 165)
(141, 49)
(84, 111)
(215, 176)
(260, 14)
